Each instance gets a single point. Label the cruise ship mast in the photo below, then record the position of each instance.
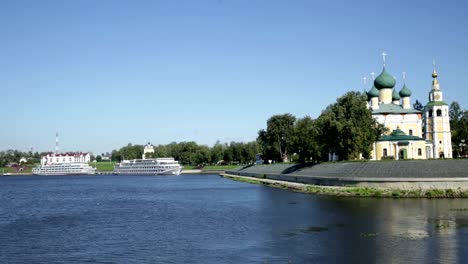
(56, 143)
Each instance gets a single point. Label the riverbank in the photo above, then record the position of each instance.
(352, 191)
(202, 171)
(414, 178)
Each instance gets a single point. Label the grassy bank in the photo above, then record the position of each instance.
(26, 169)
(102, 166)
(356, 191)
(213, 167)
(220, 167)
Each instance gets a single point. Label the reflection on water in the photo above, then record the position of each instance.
(371, 230)
(208, 219)
(405, 230)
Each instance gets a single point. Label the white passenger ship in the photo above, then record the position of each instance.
(64, 169)
(158, 166)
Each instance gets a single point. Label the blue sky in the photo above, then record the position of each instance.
(106, 73)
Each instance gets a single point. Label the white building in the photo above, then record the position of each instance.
(148, 149)
(413, 134)
(70, 157)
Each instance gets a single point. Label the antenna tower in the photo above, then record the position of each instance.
(56, 143)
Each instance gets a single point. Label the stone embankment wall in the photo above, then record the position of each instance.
(409, 174)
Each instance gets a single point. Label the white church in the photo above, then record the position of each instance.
(412, 133)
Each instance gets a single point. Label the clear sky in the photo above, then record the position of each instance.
(106, 73)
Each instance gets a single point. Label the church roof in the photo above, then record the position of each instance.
(405, 92)
(395, 95)
(399, 135)
(394, 109)
(436, 103)
(384, 80)
(373, 92)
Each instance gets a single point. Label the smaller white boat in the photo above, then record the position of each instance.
(158, 166)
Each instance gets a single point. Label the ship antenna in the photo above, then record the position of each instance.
(56, 143)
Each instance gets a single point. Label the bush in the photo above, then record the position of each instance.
(435, 193)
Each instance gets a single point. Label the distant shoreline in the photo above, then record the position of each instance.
(198, 171)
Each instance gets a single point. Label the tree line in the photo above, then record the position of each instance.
(14, 156)
(190, 153)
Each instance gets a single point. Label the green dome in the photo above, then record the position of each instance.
(397, 132)
(395, 95)
(405, 92)
(384, 80)
(373, 92)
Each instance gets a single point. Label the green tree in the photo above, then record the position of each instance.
(455, 112)
(202, 155)
(463, 133)
(98, 158)
(128, 152)
(459, 128)
(228, 154)
(116, 156)
(187, 151)
(348, 128)
(160, 151)
(278, 137)
(236, 150)
(217, 152)
(250, 150)
(306, 138)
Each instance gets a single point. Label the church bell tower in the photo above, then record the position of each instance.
(437, 121)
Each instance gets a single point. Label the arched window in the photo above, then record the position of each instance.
(430, 113)
(439, 112)
(419, 152)
(385, 152)
(411, 132)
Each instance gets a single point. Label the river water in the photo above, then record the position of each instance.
(209, 219)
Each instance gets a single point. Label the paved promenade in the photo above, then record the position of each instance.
(424, 174)
(371, 169)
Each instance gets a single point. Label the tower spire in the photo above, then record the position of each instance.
(435, 82)
(404, 77)
(434, 73)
